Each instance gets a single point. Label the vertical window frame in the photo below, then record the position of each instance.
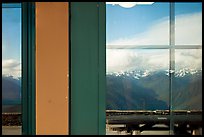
(28, 69)
(98, 118)
(28, 64)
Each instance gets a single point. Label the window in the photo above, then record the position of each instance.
(11, 67)
(154, 65)
(18, 68)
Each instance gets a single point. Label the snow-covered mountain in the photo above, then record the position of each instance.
(137, 74)
(150, 89)
(11, 94)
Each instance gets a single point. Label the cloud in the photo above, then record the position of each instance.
(156, 35)
(121, 60)
(188, 58)
(11, 67)
(188, 31)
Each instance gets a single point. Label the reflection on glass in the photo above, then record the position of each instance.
(188, 23)
(138, 81)
(134, 79)
(138, 25)
(11, 69)
(187, 93)
(140, 64)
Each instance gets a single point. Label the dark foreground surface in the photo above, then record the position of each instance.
(181, 122)
(11, 119)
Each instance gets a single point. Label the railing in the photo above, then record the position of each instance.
(146, 120)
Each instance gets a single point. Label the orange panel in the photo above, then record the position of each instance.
(52, 68)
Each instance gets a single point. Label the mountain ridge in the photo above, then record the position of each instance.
(186, 91)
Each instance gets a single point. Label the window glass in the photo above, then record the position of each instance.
(188, 80)
(11, 68)
(142, 24)
(188, 23)
(134, 78)
(146, 74)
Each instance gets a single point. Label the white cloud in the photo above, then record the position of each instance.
(156, 35)
(188, 58)
(11, 67)
(121, 60)
(188, 31)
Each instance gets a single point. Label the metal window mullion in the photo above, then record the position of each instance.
(31, 65)
(24, 70)
(31, 81)
(171, 64)
(154, 47)
(28, 61)
(102, 68)
(11, 5)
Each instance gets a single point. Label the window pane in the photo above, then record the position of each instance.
(137, 61)
(138, 82)
(188, 23)
(134, 79)
(187, 93)
(11, 69)
(142, 24)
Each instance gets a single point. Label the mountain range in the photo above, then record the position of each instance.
(133, 90)
(11, 94)
(148, 90)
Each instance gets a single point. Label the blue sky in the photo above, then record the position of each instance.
(125, 22)
(11, 29)
(11, 41)
(149, 25)
(141, 24)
